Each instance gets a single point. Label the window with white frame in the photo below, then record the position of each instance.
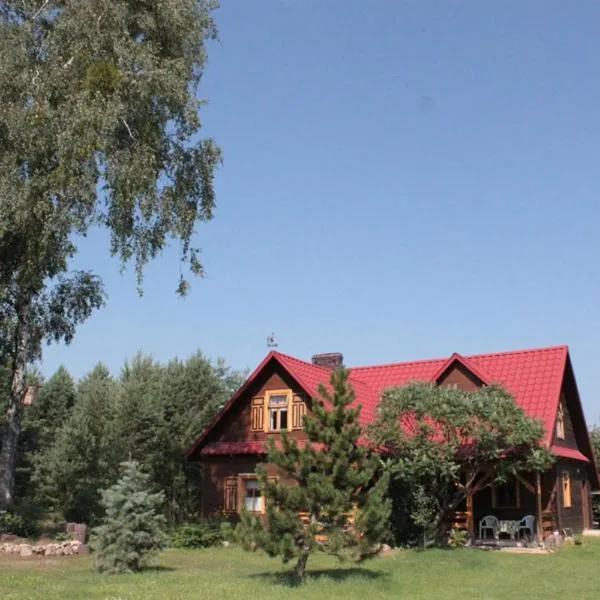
(253, 501)
(278, 412)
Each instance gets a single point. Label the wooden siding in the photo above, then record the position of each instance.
(217, 480)
(462, 378)
(237, 425)
(573, 517)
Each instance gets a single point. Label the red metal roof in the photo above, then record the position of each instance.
(569, 453)
(533, 377)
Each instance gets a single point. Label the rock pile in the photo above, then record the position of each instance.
(66, 548)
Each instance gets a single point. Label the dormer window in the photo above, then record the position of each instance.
(560, 422)
(278, 412)
(278, 404)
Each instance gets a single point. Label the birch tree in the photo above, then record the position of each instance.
(99, 127)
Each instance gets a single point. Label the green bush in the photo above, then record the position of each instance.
(198, 535)
(16, 524)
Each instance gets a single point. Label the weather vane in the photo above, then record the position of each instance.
(271, 343)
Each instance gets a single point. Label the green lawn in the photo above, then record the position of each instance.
(230, 573)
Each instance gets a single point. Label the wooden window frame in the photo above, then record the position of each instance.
(567, 490)
(517, 496)
(267, 409)
(560, 422)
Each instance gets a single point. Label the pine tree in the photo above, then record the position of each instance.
(71, 472)
(331, 493)
(132, 529)
(51, 408)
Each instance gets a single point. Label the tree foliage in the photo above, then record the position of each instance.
(444, 444)
(336, 501)
(151, 413)
(99, 127)
(132, 529)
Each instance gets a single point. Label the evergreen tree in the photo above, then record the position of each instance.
(331, 495)
(70, 473)
(132, 529)
(51, 408)
(191, 393)
(139, 430)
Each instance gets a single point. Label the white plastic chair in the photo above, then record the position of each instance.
(488, 523)
(527, 523)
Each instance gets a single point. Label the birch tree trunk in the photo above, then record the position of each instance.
(12, 429)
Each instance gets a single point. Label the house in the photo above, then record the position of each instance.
(279, 393)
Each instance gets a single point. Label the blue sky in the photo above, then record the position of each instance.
(401, 180)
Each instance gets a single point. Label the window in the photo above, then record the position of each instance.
(506, 495)
(560, 423)
(278, 405)
(566, 486)
(253, 498)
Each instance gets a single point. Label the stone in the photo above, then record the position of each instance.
(82, 549)
(385, 550)
(78, 531)
(50, 550)
(25, 550)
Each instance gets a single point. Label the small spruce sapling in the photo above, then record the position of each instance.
(132, 530)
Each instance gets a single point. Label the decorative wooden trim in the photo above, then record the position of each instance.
(566, 489)
(560, 421)
(257, 414)
(230, 495)
(298, 411)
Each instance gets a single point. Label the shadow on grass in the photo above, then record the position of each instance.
(157, 569)
(288, 579)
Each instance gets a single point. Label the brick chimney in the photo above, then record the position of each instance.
(330, 360)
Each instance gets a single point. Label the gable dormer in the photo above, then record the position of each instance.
(461, 372)
(277, 410)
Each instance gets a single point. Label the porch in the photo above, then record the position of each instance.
(508, 515)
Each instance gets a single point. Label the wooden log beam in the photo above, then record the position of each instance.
(538, 497)
(526, 483)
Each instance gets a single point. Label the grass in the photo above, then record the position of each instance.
(229, 573)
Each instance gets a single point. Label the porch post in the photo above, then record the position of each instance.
(470, 521)
(538, 497)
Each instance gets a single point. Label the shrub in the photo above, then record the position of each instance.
(457, 538)
(63, 536)
(198, 535)
(16, 524)
(132, 530)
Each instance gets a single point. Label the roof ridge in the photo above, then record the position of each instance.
(524, 351)
(300, 360)
(465, 356)
(398, 363)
